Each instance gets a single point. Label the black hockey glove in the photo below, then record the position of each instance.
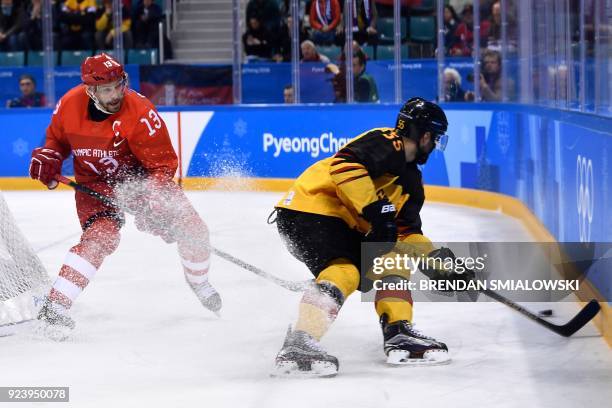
(381, 216)
(437, 266)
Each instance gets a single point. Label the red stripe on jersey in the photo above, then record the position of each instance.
(345, 155)
(347, 168)
(351, 179)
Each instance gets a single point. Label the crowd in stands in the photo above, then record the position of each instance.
(79, 24)
(268, 27)
(268, 37)
(459, 31)
(489, 83)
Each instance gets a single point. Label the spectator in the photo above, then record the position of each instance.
(364, 86)
(78, 18)
(490, 78)
(451, 21)
(32, 28)
(145, 21)
(310, 53)
(325, 16)
(459, 4)
(365, 16)
(356, 48)
(105, 31)
(11, 23)
(282, 47)
(485, 9)
(452, 86)
(494, 40)
(285, 9)
(29, 97)
(495, 30)
(490, 82)
(288, 94)
(266, 12)
(339, 72)
(464, 34)
(32, 33)
(257, 40)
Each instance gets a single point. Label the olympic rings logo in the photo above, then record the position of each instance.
(585, 199)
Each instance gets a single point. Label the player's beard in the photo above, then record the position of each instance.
(109, 107)
(422, 154)
(113, 106)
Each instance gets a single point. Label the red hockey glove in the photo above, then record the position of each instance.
(45, 164)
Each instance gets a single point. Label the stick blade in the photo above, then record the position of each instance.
(580, 320)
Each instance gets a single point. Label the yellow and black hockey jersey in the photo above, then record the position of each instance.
(370, 167)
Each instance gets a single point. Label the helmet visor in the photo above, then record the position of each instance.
(109, 89)
(441, 140)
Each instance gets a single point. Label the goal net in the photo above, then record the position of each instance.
(22, 275)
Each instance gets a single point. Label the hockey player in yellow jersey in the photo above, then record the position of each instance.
(371, 190)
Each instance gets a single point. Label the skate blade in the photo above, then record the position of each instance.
(215, 311)
(430, 358)
(318, 369)
(45, 331)
(214, 307)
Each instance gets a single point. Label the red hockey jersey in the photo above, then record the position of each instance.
(135, 138)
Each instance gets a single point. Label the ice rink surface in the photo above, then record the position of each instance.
(143, 340)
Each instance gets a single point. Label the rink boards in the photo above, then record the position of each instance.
(557, 164)
(544, 162)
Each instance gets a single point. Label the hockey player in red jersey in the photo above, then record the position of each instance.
(122, 149)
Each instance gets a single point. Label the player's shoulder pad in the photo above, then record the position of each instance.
(383, 136)
(138, 103)
(74, 99)
(386, 132)
(381, 149)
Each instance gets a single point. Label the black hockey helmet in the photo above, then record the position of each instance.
(425, 116)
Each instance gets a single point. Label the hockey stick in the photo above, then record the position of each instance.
(580, 320)
(295, 286)
(565, 330)
(10, 329)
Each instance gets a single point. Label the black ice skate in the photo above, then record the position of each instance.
(404, 345)
(207, 295)
(303, 356)
(55, 323)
